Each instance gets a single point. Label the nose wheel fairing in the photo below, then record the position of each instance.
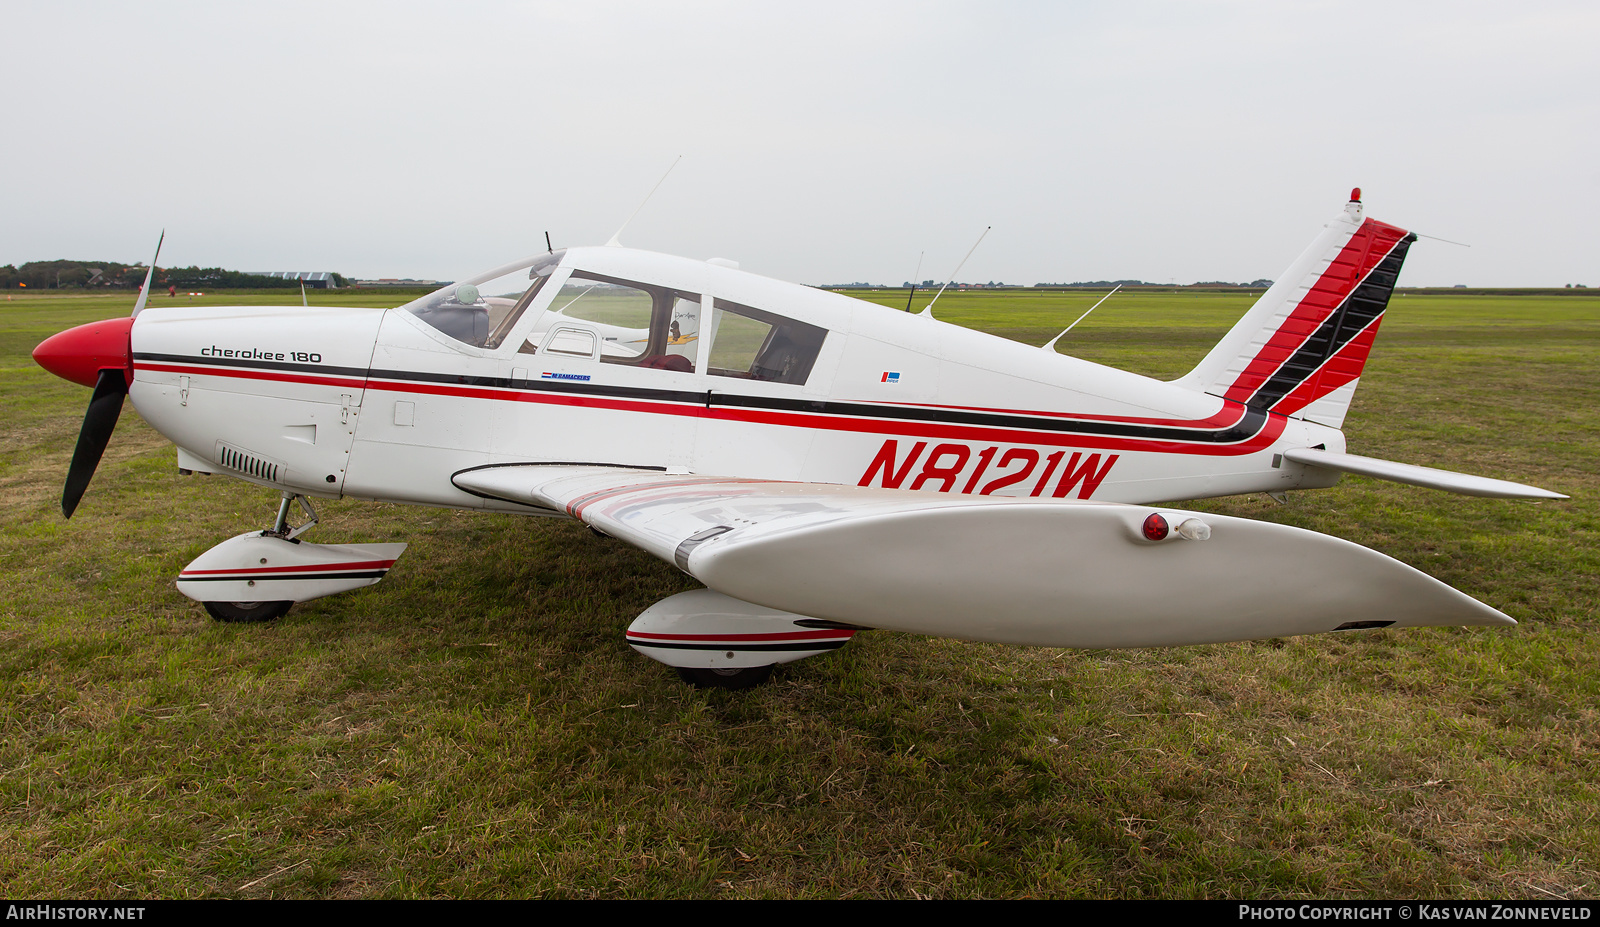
(259, 566)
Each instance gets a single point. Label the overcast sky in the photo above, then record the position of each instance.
(822, 142)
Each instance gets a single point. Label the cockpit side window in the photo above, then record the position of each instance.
(642, 324)
(482, 311)
(754, 344)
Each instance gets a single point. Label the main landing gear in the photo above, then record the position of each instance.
(715, 641)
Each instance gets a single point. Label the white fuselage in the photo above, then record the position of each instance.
(379, 404)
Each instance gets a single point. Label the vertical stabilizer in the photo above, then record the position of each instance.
(1301, 348)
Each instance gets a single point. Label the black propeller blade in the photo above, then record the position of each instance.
(98, 423)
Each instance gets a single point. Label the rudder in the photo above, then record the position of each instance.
(1301, 348)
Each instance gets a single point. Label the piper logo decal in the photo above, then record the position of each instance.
(890, 376)
(945, 465)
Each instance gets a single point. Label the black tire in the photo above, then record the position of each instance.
(234, 612)
(725, 678)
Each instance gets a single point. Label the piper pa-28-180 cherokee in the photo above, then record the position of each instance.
(823, 465)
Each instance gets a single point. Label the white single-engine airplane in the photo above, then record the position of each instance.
(823, 465)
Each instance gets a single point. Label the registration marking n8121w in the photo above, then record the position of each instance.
(945, 464)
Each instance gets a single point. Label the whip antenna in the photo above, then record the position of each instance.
(1445, 240)
(928, 310)
(616, 240)
(1052, 345)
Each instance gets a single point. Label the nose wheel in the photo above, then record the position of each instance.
(244, 612)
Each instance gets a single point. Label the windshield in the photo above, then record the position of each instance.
(482, 310)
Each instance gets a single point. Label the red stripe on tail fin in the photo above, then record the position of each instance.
(1371, 243)
(1310, 333)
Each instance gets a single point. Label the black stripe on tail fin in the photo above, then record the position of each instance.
(1332, 342)
(1302, 346)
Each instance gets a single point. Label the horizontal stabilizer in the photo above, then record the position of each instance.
(1449, 481)
(1057, 573)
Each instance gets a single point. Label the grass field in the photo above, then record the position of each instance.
(475, 726)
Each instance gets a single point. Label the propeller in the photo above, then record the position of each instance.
(149, 275)
(98, 423)
(99, 354)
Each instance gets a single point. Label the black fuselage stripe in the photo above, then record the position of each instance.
(324, 369)
(1250, 423)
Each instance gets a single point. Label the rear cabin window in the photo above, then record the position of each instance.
(639, 324)
(753, 344)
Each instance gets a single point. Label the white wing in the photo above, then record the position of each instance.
(1045, 572)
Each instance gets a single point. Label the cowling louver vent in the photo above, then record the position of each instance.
(247, 462)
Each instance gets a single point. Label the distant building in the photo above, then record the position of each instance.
(315, 279)
(400, 283)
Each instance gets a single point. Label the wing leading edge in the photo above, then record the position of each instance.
(1042, 572)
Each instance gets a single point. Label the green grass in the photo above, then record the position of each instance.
(475, 726)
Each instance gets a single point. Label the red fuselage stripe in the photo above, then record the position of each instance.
(269, 375)
(840, 423)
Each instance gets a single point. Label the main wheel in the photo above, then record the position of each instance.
(725, 678)
(247, 611)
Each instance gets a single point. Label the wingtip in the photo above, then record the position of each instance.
(1491, 617)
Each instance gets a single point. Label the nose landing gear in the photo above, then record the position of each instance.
(280, 526)
(259, 575)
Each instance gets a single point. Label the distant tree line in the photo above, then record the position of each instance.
(1098, 283)
(95, 275)
(1102, 284)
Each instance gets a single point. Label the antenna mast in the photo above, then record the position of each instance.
(1052, 345)
(928, 310)
(616, 239)
(913, 294)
